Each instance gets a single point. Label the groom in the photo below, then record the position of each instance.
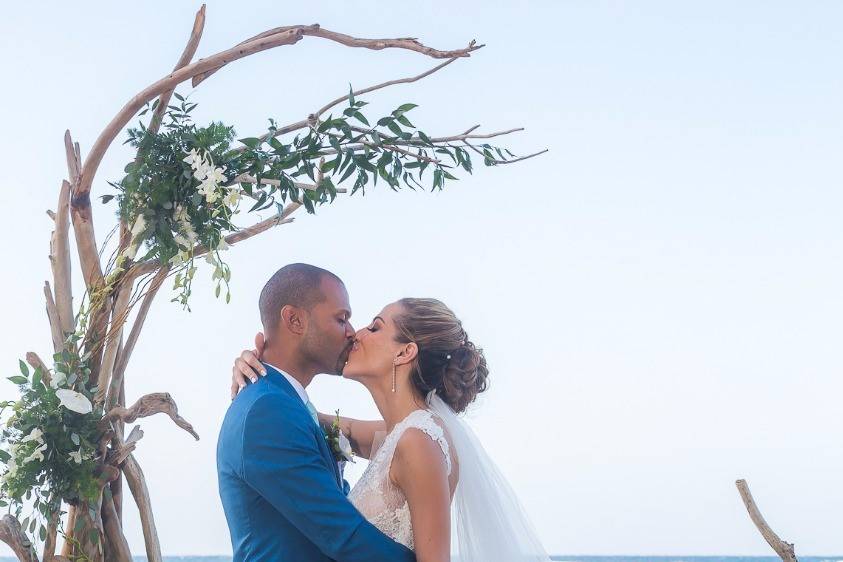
(280, 487)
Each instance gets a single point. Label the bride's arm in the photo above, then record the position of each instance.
(361, 433)
(419, 469)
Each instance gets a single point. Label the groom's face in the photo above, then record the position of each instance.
(329, 332)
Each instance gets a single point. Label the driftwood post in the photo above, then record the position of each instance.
(784, 549)
(92, 529)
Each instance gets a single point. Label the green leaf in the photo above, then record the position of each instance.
(359, 116)
(106, 198)
(393, 126)
(23, 368)
(251, 142)
(350, 95)
(17, 379)
(406, 107)
(4, 456)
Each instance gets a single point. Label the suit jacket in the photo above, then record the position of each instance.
(280, 487)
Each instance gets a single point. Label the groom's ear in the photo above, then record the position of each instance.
(294, 319)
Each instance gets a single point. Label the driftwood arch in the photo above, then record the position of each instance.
(108, 340)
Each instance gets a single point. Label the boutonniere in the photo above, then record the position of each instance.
(337, 441)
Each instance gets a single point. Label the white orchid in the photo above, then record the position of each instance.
(76, 456)
(233, 197)
(217, 175)
(74, 401)
(12, 467)
(58, 379)
(181, 258)
(192, 157)
(37, 454)
(34, 435)
(209, 190)
(223, 245)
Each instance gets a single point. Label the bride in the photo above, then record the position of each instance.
(429, 472)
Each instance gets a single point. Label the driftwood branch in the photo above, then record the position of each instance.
(246, 178)
(167, 83)
(12, 534)
(60, 260)
(115, 539)
(134, 333)
(784, 549)
(156, 403)
(36, 363)
(137, 485)
(53, 317)
(184, 60)
(49, 553)
(408, 43)
(112, 345)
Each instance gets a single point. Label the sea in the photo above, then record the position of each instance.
(560, 558)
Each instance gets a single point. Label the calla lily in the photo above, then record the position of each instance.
(74, 401)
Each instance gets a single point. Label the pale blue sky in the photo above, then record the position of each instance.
(659, 297)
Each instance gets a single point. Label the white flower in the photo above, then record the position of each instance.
(233, 197)
(76, 456)
(34, 435)
(181, 258)
(12, 469)
(139, 226)
(37, 454)
(209, 190)
(191, 157)
(345, 447)
(74, 401)
(223, 245)
(58, 379)
(216, 175)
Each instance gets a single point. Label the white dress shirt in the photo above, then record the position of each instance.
(297, 386)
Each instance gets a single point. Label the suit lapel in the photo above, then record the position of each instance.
(322, 441)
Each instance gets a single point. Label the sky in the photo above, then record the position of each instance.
(658, 296)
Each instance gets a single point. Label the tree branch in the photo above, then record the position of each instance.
(137, 484)
(53, 317)
(12, 534)
(784, 549)
(112, 344)
(157, 403)
(60, 260)
(114, 533)
(408, 43)
(134, 333)
(36, 363)
(169, 82)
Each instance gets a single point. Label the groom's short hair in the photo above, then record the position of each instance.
(296, 284)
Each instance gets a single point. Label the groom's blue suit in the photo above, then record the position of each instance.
(280, 487)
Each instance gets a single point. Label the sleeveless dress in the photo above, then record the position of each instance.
(381, 502)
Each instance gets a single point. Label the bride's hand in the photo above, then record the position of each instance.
(247, 366)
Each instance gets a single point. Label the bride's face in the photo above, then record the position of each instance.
(375, 348)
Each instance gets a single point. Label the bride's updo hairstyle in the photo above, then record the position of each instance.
(447, 361)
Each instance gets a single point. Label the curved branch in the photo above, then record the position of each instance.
(12, 534)
(156, 403)
(112, 345)
(36, 363)
(137, 484)
(315, 30)
(184, 60)
(783, 549)
(170, 81)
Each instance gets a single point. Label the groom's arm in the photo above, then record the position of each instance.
(284, 465)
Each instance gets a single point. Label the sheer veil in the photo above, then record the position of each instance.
(489, 522)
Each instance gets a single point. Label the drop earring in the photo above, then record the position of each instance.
(393, 376)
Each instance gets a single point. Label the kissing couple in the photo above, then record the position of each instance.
(428, 480)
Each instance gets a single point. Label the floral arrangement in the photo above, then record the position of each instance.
(50, 436)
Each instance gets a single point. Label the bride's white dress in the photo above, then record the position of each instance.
(488, 522)
(376, 497)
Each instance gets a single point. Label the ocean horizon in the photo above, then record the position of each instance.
(559, 558)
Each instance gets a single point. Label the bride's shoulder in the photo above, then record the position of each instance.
(423, 443)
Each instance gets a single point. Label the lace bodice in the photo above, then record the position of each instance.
(376, 497)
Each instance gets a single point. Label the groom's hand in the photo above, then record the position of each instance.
(247, 367)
